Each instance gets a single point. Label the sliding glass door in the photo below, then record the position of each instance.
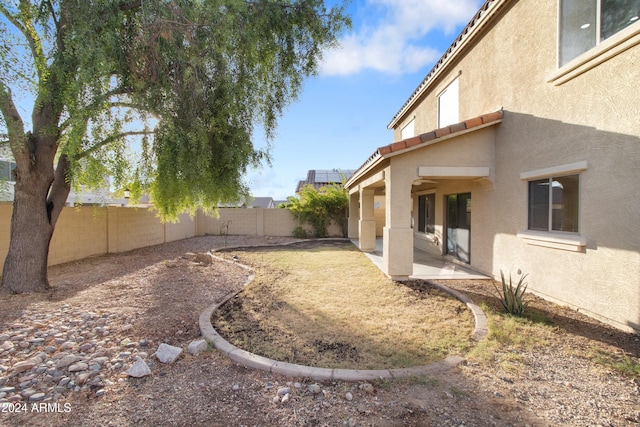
(459, 226)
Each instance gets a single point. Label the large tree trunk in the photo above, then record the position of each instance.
(36, 208)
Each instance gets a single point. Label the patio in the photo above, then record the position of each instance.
(428, 266)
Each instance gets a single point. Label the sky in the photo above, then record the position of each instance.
(341, 117)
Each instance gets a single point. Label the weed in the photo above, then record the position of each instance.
(629, 366)
(457, 392)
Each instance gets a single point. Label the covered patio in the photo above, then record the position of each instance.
(427, 183)
(427, 266)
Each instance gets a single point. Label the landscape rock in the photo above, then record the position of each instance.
(284, 390)
(80, 366)
(204, 258)
(167, 353)
(198, 346)
(315, 388)
(139, 369)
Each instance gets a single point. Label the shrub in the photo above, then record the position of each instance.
(512, 297)
(319, 208)
(300, 233)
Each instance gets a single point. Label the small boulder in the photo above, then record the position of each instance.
(197, 346)
(315, 388)
(167, 353)
(204, 258)
(139, 369)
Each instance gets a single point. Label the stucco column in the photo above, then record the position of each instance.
(367, 225)
(397, 259)
(354, 214)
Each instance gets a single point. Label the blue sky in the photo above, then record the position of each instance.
(342, 114)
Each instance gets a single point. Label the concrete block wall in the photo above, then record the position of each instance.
(87, 231)
(80, 233)
(253, 222)
(133, 228)
(185, 228)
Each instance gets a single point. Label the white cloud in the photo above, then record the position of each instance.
(390, 37)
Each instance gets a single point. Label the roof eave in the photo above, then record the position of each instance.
(423, 140)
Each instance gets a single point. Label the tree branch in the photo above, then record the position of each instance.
(111, 139)
(13, 120)
(53, 15)
(27, 28)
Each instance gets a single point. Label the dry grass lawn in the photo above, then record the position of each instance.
(329, 306)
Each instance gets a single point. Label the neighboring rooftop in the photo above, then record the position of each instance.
(261, 202)
(322, 177)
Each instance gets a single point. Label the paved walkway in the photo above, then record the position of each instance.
(428, 266)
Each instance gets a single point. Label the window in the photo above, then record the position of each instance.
(409, 130)
(427, 213)
(553, 204)
(6, 170)
(586, 23)
(448, 105)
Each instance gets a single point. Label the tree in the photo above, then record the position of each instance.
(320, 207)
(187, 81)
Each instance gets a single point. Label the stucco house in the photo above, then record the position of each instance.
(520, 150)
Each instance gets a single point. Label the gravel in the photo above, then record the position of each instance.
(65, 353)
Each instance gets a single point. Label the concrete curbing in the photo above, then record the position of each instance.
(255, 361)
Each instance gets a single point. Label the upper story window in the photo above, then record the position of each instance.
(586, 23)
(409, 130)
(554, 204)
(448, 108)
(6, 170)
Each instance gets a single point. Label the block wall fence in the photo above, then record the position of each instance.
(87, 231)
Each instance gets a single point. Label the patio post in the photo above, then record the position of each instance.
(397, 252)
(354, 214)
(367, 225)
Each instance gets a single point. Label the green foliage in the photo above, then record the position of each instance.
(185, 83)
(321, 207)
(620, 362)
(300, 233)
(512, 297)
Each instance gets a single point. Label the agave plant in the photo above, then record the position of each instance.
(512, 297)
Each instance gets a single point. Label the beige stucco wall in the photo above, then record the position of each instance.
(592, 118)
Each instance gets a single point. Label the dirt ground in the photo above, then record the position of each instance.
(123, 306)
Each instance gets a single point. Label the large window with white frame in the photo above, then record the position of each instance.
(586, 23)
(554, 204)
(448, 105)
(427, 213)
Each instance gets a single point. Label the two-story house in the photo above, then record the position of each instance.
(520, 150)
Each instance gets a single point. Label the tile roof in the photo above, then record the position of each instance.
(428, 138)
(451, 130)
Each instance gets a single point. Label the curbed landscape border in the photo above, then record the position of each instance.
(254, 361)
